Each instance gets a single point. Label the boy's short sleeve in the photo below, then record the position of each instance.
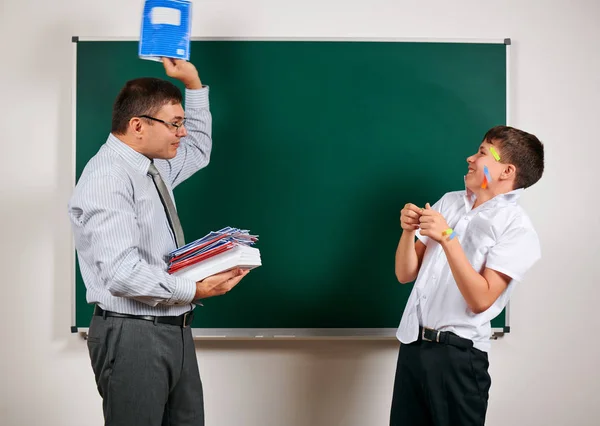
(517, 250)
(437, 207)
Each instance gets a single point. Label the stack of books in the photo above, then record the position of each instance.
(216, 252)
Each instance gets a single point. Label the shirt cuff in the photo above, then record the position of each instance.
(197, 98)
(184, 293)
(421, 238)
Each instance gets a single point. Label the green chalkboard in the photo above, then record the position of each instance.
(317, 146)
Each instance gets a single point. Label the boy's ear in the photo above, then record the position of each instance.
(510, 171)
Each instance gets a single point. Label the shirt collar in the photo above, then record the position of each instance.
(499, 200)
(138, 161)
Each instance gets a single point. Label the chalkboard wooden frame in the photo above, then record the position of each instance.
(286, 333)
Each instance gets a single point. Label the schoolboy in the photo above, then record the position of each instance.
(472, 247)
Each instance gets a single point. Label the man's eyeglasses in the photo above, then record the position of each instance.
(175, 126)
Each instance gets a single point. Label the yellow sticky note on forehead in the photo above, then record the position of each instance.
(494, 153)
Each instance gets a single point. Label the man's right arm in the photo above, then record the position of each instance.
(107, 236)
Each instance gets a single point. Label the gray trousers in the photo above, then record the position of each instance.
(147, 373)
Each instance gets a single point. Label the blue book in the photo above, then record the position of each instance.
(166, 28)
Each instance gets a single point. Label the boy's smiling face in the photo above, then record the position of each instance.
(477, 164)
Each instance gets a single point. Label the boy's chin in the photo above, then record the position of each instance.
(471, 186)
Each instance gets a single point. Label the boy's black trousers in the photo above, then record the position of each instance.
(441, 380)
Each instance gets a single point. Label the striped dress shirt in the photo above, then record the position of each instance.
(122, 234)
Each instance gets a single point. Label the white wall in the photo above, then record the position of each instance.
(544, 373)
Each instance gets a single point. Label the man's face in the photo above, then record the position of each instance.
(161, 140)
(477, 164)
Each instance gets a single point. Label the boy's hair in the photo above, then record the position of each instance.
(520, 148)
(142, 96)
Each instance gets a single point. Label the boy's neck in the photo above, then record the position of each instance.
(484, 195)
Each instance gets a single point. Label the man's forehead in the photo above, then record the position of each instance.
(172, 110)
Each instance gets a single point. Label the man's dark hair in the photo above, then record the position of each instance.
(520, 148)
(142, 96)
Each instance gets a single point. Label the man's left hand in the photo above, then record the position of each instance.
(433, 224)
(183, 71)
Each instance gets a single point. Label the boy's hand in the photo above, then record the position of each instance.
(183, 71)
(433, 224)
(409, 217)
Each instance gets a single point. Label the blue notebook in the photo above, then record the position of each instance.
(166, 27)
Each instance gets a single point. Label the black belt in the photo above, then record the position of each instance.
(183, 320)
(445, 337)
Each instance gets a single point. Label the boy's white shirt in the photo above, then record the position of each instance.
(498, 235)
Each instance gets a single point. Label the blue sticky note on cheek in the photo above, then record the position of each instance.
(486, 172)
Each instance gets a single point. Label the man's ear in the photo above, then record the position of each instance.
(136, 128)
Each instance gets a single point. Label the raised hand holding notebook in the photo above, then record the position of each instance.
(216, 252)
(165, 32)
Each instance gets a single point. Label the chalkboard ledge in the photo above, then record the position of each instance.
(295, 333)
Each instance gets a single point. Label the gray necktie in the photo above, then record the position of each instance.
(163, 192)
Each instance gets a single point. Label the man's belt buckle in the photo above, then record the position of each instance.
(185, 316)
(437, 335)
